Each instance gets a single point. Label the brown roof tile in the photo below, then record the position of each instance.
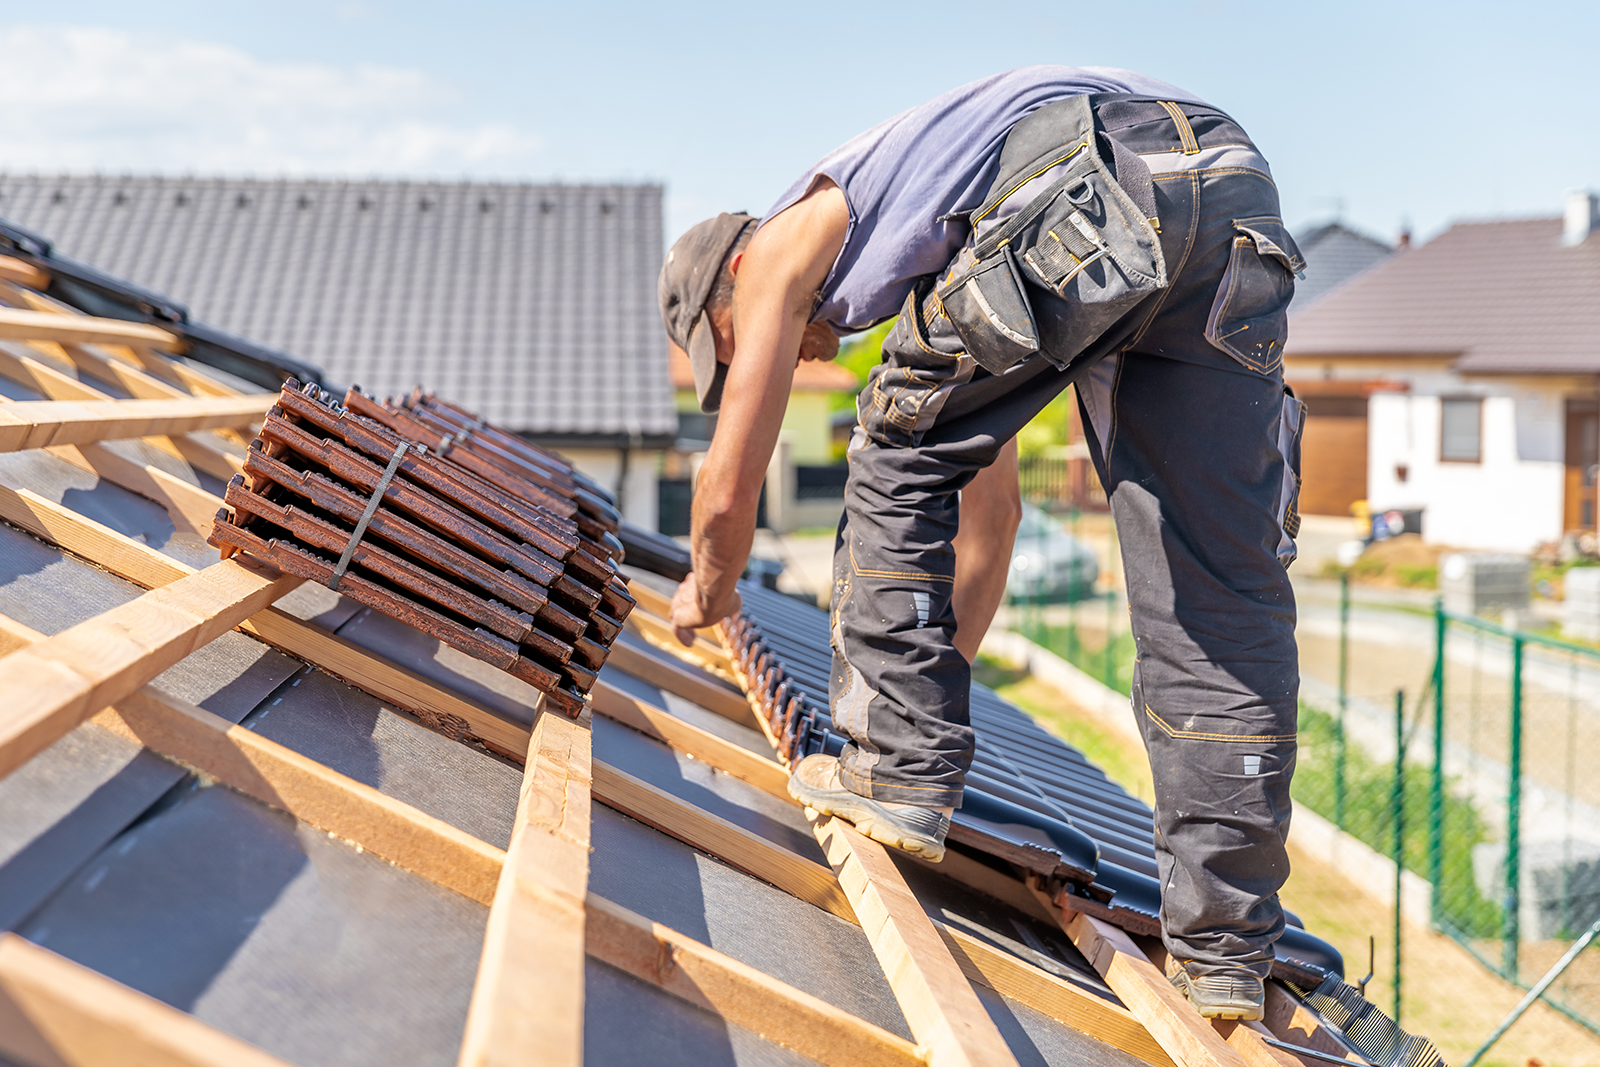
(1507, 297)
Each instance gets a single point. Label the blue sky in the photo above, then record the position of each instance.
(1390, 112)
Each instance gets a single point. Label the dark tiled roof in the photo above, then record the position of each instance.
(1334, 254)
(1506, 297)
(533, 305)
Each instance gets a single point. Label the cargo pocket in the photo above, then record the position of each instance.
(905, 392)
(989, 311)
(1250, 317)
(1080, 239)
(1291, 426)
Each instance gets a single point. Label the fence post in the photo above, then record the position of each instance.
(1074, 594)
(1512, 932)
(1344, 699)
(1436, 786)
(1398, 806)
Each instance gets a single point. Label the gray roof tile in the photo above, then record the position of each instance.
(534, 305)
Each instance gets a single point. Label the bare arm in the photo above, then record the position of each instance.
(776, 282)
(991, 508)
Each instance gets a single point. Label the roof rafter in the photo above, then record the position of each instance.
(29, 325)
(43, 423)
(534, 948)
(48, 688)
(54, 1011)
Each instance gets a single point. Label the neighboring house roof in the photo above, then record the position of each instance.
(1334, 254)
(533, 305)
(810, 376)
(1505, 297)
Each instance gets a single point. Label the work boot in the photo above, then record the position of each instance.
(919, 831)
(1237, 995)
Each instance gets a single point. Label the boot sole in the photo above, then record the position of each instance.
(865, 821)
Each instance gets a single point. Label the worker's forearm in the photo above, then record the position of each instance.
(722, 530)
(980, 586)
(991, 508)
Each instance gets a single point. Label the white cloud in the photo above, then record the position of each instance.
(97, 99)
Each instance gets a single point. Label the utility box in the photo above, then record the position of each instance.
(1582, 620)
(1476, 582)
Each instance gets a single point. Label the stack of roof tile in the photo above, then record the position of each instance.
(426, 514)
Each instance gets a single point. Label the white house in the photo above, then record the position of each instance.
(1462, 378)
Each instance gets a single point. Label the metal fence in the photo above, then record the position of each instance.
(1485, 782)
(1467, 749)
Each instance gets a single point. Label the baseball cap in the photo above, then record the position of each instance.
(687, 278)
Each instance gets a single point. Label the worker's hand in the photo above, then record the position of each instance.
(690, 614)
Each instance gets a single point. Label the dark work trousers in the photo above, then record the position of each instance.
(1196, 441)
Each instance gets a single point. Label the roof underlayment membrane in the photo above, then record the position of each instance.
(313, 947)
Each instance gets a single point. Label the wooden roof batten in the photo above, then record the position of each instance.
(543, 919)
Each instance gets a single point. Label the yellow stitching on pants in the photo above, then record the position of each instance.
(1080, 146)
(896, 574)
(1197, 735)
(1191, 146)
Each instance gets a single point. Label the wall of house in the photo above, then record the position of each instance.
(1511, 499)
(808, 425)
(639, 496)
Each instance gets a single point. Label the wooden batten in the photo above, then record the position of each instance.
(1014, 978)
(750, 852)
(21, 272)
(142, 565)
(739, 993)
(48, 688)
(202, 451)
(54, 1012)
(527, 1004)
(32, 325)
(935, 996)
(730, 758)
(190, 507)
(43, 423)
(311, 792)
(1291, 1021)
(1188, 1039)
(1055, 997)
(649, 665)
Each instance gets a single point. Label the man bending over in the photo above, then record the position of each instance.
(1044, 227)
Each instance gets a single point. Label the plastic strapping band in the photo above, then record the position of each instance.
(366, 516)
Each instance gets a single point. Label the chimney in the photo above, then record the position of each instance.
(1583, 213)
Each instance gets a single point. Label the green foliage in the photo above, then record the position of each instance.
(859, 355)
(1049, 428)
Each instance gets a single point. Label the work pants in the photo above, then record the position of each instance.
(1195, 439)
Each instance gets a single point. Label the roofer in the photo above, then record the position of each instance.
(1043, 227)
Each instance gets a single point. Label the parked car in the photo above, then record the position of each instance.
(1049, 562)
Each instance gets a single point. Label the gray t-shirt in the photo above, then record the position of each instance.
(904, 178)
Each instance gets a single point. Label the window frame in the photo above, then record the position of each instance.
(1477, 457)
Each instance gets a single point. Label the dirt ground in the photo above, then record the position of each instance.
(1446, 995)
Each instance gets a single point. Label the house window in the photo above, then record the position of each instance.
(1461, 429)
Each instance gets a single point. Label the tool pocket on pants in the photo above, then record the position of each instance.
(921, 366)
(1079, 237)
(989, 311)
(1250, 317)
